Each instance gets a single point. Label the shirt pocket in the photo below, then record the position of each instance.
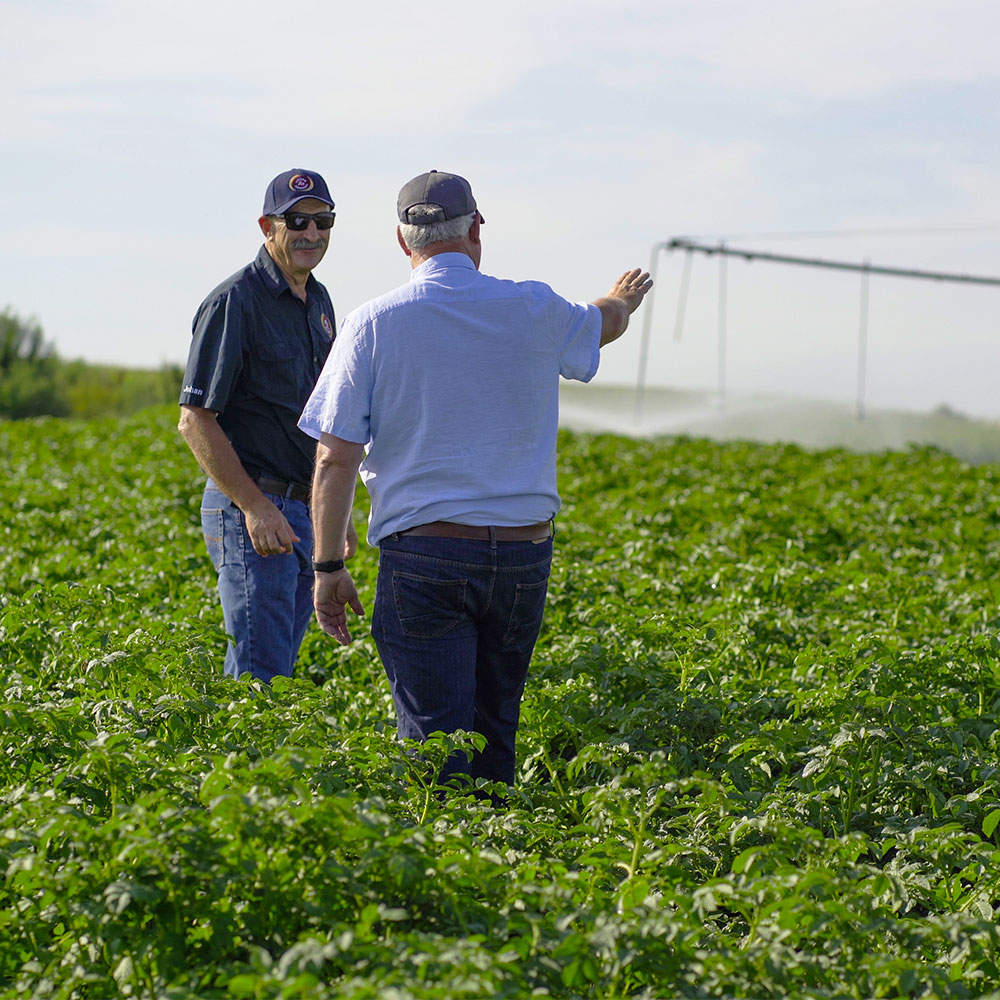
(276, 348)
(280, 371)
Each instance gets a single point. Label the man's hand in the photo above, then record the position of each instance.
(624, 298)
(333, 594)
(631, 287)
(269, 530)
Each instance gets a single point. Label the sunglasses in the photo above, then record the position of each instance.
(300, 220)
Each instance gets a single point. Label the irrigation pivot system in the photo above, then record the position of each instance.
(690, 247)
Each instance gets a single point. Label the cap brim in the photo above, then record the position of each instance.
(286, 205)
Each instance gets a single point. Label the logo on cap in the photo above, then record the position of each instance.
(301, 182)
(327, 325)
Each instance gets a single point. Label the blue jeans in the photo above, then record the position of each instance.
(455, 622)
(266, 601)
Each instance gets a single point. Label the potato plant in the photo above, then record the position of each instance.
(759, 752)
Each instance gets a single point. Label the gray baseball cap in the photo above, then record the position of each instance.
(448, 196)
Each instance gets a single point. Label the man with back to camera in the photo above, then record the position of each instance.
(260, 341)
(453, 383)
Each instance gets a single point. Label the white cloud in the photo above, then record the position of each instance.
(400, 66)
(403, 66)
(821, 48)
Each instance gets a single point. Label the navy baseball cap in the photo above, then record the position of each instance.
(292, 186)
(447, 196)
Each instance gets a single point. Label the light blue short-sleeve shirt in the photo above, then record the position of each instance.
(452, 381)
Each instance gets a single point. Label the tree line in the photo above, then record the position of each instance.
(36, 382)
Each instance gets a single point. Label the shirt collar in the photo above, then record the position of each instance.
(440, 261)
(274, 280)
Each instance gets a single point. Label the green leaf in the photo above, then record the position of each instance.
(990, 821)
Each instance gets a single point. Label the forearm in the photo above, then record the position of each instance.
(334, 480)
(217, 457)
(614, 318)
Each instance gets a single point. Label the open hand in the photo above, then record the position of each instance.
(333, 594)
(631, 288)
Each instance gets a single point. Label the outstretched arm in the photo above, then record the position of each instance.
(624, 298)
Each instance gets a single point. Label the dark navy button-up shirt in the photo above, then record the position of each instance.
(255, 357)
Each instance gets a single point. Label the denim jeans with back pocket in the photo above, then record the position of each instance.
(455, 622)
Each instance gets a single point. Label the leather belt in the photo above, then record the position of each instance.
(502, 533)
(291, 491)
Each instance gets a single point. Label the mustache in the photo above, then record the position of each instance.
(307, 244)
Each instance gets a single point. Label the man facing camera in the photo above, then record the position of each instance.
(260, 340)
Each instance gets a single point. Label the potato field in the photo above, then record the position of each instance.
(759, 753)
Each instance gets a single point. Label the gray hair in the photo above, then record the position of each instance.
(418, 237)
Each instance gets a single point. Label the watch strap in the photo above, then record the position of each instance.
(330, 566)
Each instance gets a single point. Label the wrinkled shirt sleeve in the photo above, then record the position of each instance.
(574, 329)
(341, 402)
(580, 340)
(215, 358)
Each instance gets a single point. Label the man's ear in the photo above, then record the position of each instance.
(402, 242)
(266, 225)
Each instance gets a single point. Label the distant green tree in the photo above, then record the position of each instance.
(21, 340)
(29, 385)
(99, 390)
(35, 382)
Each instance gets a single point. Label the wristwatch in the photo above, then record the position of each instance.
(330, 566)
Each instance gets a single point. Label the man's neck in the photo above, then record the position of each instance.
(421, 256)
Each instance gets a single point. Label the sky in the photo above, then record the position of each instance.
(137, 140)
